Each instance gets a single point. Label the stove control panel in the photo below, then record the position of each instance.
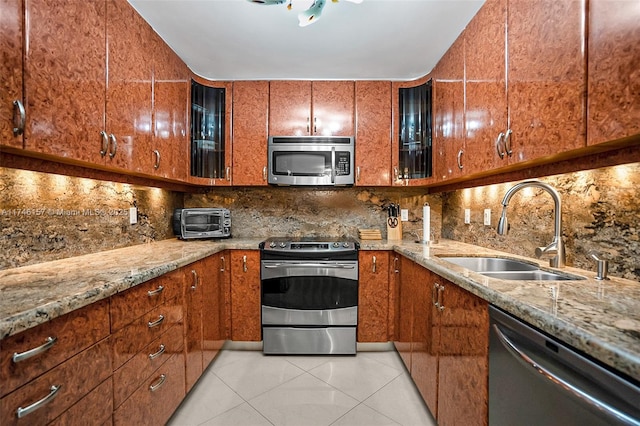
(308, 245)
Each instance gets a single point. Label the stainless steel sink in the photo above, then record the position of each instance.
(508, 269)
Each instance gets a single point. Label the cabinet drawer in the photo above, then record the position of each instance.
(72, 332)
(75, 378)
(147, 406)
(140, 368)
(96, 408)
(137, 301)
(133, 338)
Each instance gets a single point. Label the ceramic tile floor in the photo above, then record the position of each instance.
(245, 387)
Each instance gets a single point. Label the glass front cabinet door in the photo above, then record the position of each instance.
(208, 132)
(414, 134)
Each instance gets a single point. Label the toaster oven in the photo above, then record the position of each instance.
(202, 223)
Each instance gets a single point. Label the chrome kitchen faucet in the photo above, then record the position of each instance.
(556, 249)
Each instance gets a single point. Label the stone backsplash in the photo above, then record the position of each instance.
(46, 217)
(600, 213)
(287, 211)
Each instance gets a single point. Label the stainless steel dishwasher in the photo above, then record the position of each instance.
(535, 379)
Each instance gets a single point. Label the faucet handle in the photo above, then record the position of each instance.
(602, 266)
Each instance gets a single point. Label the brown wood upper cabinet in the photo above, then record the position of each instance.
(11, 99)
(373, 133)
(250, 132)
(614, 63)
(303, 108)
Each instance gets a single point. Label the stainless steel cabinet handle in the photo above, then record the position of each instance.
(19, 118)
(507, 143)
(155, 386)
(396, 173)
(373, 269)
(564, 384)
(157, 354)
(244, 263)
(434, 290)
(155, 292)
(105, 143)
(315, 124)
(358, 173)
(157, 163)
(195, 279)
(460, 166)
(157, 322)
(499, 144)
(228, 174)
(53, 391)
(114, 145)
(308, 124)
(440, 303)
(264, 173)
(395, 265)
(224, 266)
(48, 343)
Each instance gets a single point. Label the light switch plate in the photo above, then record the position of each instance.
(467, 216)
(404, 215)
(133, 215)
(487, 217)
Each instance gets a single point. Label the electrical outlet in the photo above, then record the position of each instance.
(133, 215)
(467, 216)
(404, 215)
(487, 217)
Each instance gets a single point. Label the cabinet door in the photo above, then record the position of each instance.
(250, 132)
(463, 362)
(333, 108)
(449, 113)
(194, 296)
(289, 108)
(485, 87)
(64, 78)
(425, 336)
(614, 66)
(373, 296)
(245, 295)
(170, 149)
(213, 306)
(373, 133)
(404, 311)
(130, 88)
(546, 77)
(10, 71)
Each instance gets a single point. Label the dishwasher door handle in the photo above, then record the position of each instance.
(570, 388)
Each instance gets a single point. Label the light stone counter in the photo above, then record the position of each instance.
(600, 318)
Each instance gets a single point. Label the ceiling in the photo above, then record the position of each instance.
(373, 40)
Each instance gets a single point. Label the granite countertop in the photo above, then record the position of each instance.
(600, 318)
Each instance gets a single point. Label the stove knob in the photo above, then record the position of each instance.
(345, 245)
(272, 244)
(283, 245)
(336, 244)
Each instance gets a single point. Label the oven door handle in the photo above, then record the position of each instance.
(310, 265)
(333, 164)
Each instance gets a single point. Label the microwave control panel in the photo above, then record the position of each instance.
(343, 162)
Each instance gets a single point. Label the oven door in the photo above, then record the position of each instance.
(313, 293)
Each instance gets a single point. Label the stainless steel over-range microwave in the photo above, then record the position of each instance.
(202, 223)
(311, 160)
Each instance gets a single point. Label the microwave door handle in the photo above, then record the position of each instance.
(333, 164)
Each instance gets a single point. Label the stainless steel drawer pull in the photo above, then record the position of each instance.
(53, 391)
(154, 387)
(157, 322)
(157, 354)
(195, 279)
(48, 343)
(155, 292)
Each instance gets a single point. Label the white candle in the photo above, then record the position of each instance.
(426, 222)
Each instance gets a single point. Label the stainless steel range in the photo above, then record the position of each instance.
(309, 289)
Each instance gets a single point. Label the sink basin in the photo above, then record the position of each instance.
(508, 269)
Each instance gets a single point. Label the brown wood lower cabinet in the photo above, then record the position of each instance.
(245, 295)
(216, 305)
(444, 341)
(373, 296)
(157, 397)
